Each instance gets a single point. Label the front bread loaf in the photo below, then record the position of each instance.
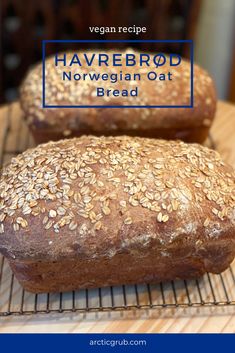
(188, 124)
(91, 212)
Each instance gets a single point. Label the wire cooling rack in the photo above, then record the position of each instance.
(210, 290)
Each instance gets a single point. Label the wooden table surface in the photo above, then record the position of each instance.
(189, 319)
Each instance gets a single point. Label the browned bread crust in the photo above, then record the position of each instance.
(191, 125)
(89, 212)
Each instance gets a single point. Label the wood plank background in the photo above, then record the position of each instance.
(14, 138)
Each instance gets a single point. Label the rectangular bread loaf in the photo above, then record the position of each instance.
(188, 124)
(91, 212)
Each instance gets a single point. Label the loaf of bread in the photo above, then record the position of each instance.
(188, 124)
(91, 212)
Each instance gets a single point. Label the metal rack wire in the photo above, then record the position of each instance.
(210, 290)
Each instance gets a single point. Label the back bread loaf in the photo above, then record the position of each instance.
(90, 212)
(188, 124)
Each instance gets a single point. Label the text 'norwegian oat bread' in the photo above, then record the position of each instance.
(92, 212)
(188, 124)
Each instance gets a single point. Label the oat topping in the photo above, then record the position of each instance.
(83, 182)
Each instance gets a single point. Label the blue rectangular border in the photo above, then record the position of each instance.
(45, 41)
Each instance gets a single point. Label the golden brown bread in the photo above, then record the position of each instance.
(191, 125)
(90, 212)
